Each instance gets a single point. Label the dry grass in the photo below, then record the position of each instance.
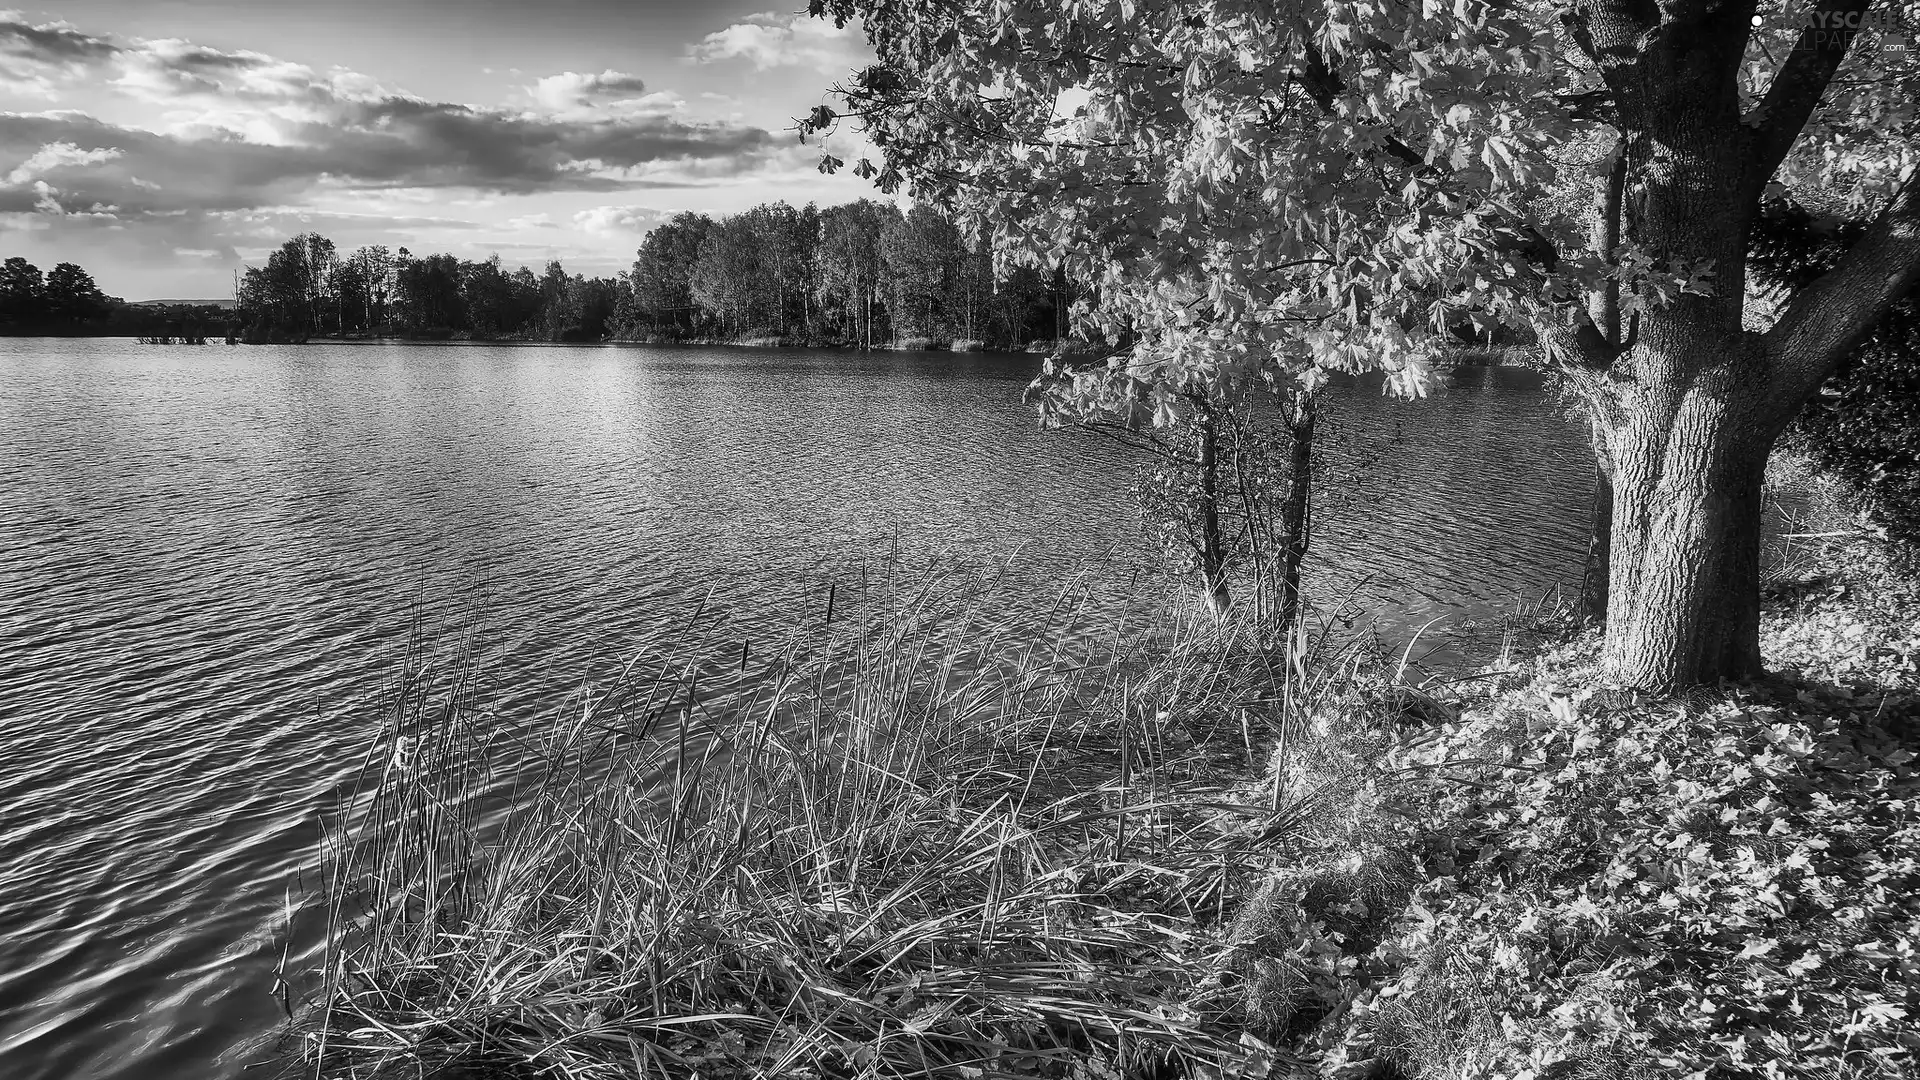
(916, 847)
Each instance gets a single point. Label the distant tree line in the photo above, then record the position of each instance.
(307, 289)
(863, 274)
(63, 300)
(66, 302)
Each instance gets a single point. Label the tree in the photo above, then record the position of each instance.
(489, 299)
(367, 278)
(850, 266)
(557, 310)
(732, 277)
(1266, 193)
(350, 288)
(920, 253)
(591, 303)
(426, 294)
(70, 298)
(20, 285)
(663, 273)
(291, 294)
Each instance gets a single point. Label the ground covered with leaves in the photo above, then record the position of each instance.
(1564, 879)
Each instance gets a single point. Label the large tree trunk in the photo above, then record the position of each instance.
(1689, 463)
(1690, 408)
(1684, 420)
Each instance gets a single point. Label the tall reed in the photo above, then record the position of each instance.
(915, 843)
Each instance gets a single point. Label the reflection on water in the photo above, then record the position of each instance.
(209, 559)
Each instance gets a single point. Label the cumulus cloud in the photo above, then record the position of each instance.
(574, 89)
(615, 220)
(168, 70)
(35, 59)
(57, 42)
(246, 129)
(393, 143)
(773, 40)
(58, 155)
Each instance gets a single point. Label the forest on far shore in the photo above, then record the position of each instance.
(864, 274)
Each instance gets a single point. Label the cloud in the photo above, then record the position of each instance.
(394, 143)
(573, 89)
(57, 155)
(773, 40)
(615, 220)
(35, 59)
(52, 43)
(244, 129)
(169, 70)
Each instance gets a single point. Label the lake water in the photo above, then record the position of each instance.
(209, 559)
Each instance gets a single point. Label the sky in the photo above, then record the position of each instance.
(163, 144)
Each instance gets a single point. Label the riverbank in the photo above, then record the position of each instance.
(1181, 857)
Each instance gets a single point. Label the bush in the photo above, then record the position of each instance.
(1864, 427)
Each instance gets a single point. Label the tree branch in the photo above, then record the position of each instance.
(1603, 306)
(1609, 31)
(1582, 347)
(1801, 80)
(1829, 317)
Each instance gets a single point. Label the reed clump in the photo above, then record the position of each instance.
(915, 847)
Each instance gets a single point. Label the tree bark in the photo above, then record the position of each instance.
(1685, 600)
(1683, 414)
(1595, 577)
(1296, 511)
(1212, 550)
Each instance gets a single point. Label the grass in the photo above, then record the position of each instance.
(916, 848)
(917, 844)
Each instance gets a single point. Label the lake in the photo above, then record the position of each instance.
(210, 559)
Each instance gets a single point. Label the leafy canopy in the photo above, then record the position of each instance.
(1263, 193)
